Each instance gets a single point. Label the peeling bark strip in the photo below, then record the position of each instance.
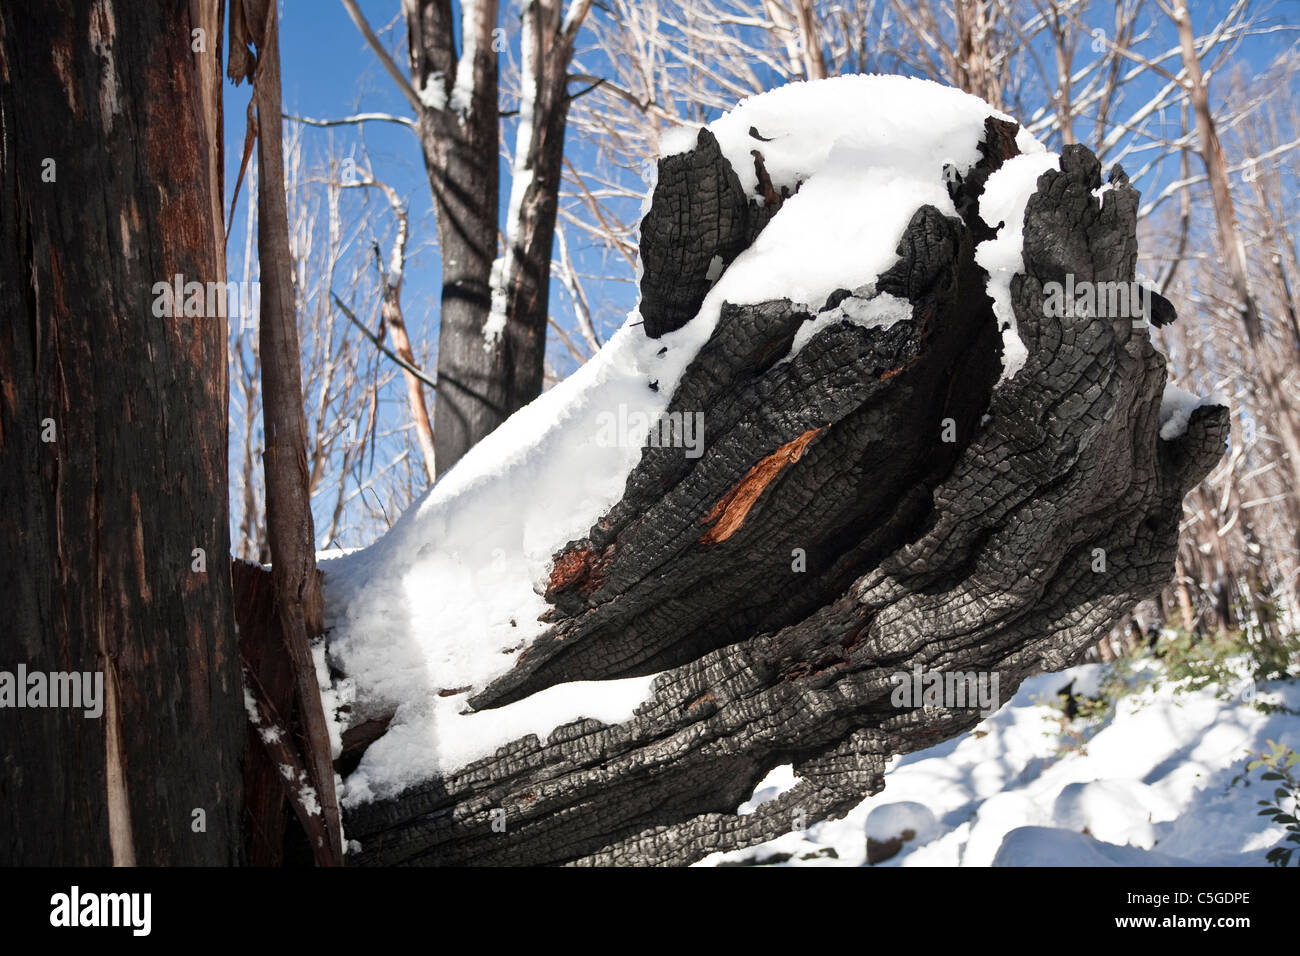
(117, 797)
(264, 662)
(974, 555)
(98, 525)
(274, 741)
(289, 524)
(730, 511)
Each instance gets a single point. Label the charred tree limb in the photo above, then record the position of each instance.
(950, 521)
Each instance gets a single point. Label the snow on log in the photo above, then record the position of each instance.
(845, 442)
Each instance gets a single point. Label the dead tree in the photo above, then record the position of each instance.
(976, 554)
(492, 327)
(115, 534)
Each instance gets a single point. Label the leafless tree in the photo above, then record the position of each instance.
(494, 308)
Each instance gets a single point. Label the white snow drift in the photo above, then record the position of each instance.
(1153, 788)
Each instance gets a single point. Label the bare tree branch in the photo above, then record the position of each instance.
(350, 120)
(403, 84)
(407, 366)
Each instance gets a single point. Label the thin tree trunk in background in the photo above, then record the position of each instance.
(973, 68)
(800, 32)
(390, 284)
(1232, 246)
(1216, 169)
(1064, 78)
(523, 284)
(392, 312)
(290, 528)
(814, 61)
(458, 130)
(113, 437)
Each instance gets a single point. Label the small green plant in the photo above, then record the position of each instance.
(1278, 763)
(1071, 735)
(1195, 662)
(1229, 662)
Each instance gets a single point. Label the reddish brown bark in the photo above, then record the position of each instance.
(113, 437)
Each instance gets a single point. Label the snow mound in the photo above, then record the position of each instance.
(1112, 810)
(896, 820)
(908, 126)
(1044, 846)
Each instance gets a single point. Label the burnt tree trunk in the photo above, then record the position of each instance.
(494, 310)
(113, 437)
(971, 554)
(459, 141)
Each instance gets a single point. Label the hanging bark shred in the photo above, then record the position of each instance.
(290, 527)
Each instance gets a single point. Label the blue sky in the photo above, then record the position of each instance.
(328, 71)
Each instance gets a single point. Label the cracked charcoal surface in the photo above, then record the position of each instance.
(699, 210)
(974, 555)
(857, 485)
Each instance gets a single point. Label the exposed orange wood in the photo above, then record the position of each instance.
(732, 508)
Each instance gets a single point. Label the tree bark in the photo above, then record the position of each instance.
(1010, 549)
(113, 436)
(460, 140)
(523, 282)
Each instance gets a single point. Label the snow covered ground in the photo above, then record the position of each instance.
(1152, 789)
